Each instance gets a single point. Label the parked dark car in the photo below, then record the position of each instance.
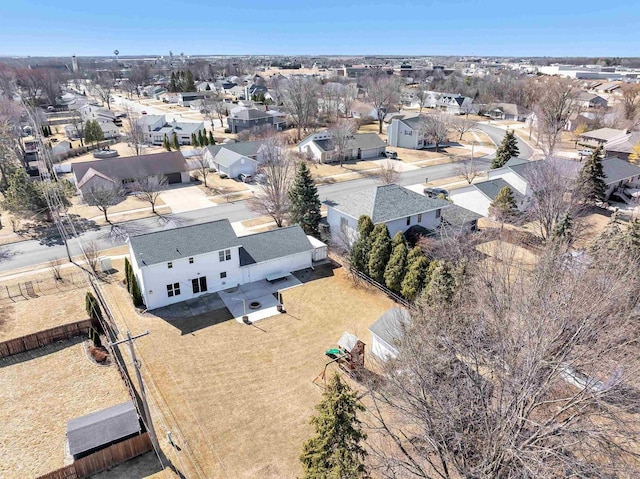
(436, 192)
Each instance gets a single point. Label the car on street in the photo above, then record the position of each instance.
(245, 178)
(391, 154)
(436, 192)
(586, 152)
(143, 112)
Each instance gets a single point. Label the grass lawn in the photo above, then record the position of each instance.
(40, 391)
(131, 202)
(238, 398)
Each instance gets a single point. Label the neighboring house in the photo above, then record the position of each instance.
(179, 264)
(577, 119)
(623, 147)
(508, 111)
(242, 118)
(109, 129)
(479, 196)
(602, 137)
(155, 128)
(586, 99)
(60, 149)
(123, 171)
(622, 178)
(397, 207)
(92, 112)
(360, 109)
(387, 331)
(186, 98)
(407, 133)
(362, 146)
(154, 91)
(455, 104)
(234, 159)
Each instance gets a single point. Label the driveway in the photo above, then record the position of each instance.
(184, 197)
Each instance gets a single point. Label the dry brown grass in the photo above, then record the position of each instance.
(120, 147)
(40, 391)
(246, 415)
(131, 202)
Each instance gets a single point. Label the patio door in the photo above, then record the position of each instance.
(199, 285)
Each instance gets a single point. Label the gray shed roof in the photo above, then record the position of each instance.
(491, 188)
(616, 170)
(102, 428)
(227, 157)
(390, 326)
(385, 203)
(273, 244)
(127, 167)
(455, 216)
(245, 148)
(172, 244)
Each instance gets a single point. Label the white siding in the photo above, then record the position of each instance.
(259, 271)
(155, 278)
(342, 235)
(429, 220)
(510, 177)
(381, 349)
(400, 135)
(243, 165)
(471, 199)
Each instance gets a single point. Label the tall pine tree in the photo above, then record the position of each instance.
(504, 206)
(396, 267)
(305, 202)
(335, 451)
(507, 150)
(212, 140)
(361, 248)
(416, 270)
(380, 252)
(591, 179)
(175, 144)
(441, 287)
(166, 144)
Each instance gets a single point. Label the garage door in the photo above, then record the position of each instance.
(174, 178)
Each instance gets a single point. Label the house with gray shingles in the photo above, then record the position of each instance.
(155, 127)
(508, 111)
(397, 207)
(387, 331)
(124, 171)
(623, 147)
(602, 137)
(241, 119)
(587, 99)
(234, 159)
(407, 132)
(362, 146)
(622, 179)
(179, 264)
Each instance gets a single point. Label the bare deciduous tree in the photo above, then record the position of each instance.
(462, 125)
(388, 173)
(525, 375)
(105, 198)
(552, 111)
(278, 171)
(78, 125)
(149, 188)
(204, 169)
(136, 135)
(300, 98)
(383, 92)
(435, 127)
(103, 86)
(92, 254)
(467, 169)
(341, 134)
(630, 103)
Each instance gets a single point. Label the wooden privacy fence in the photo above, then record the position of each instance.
(103, 459)
(43, 338)
(393, 295)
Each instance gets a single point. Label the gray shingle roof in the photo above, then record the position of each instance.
(455, 216)
(604, 134)
(127, 167)
(172, 244)
(102, 428)
(385, 203)
(227, 157)
(390, 326)
(366, 141)
(616, 170)
(245, 148)
(273, 244)
(491, 188)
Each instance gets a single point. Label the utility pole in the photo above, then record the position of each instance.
(143, 394)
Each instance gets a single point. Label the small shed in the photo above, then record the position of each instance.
(100, 429)
(320, 250)
(353, 349)
(386, 332)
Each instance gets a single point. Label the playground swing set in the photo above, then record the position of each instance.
(349, 356)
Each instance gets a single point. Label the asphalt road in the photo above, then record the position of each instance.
(28, 253)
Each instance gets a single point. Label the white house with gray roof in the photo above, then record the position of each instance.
(407, 133)
(234, 159)
(178, 264)
(155, 127)
(397, 207)
(387, 331)
(361, 146)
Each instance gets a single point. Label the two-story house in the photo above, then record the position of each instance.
(242, 118)
(361, 146)
(397, 207)
(155, 128)
(407, 132)
(178, 264)
(234, 159)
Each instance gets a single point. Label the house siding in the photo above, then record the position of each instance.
(510, 177)
(381, 349)
(471, 199)
(259, 271)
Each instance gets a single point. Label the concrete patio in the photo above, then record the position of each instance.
(237, 299)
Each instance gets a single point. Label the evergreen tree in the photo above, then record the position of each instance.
(507, 150)
(189, 84)
(396, 267)
(361, 248)
(127, 274)
(416, 269)
(136, 295)
(199, 139)
(380, 252)
(166, 144)
(24, 196)
(305, 202)
(591, 179)
(173, 83)
(610, 237)
(441, 287)
(365, 226)
(562, 229)
(175, 144)
(205, 140)
(49, 130)
(335, 450)
(194, 140)
(212, 140)
(504, 206)
(89, 133)
(92, 306)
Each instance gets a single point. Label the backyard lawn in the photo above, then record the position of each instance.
(238, 398)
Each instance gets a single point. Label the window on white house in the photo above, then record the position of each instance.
(190, 260)
(224, 255)
(408, 220)
(223, 275)
(420, 218)
(173, 289)
(169, 265)
(437, 213)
